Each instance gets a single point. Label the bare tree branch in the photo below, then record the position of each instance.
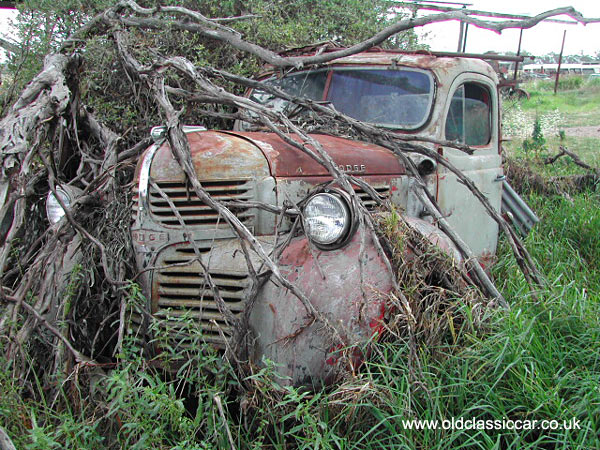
(9, 46)
(5, 442)
(78, 356)
(234, 39)
(564, 151)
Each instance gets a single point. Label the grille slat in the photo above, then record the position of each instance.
(184, 198)
(202, 249)
(182, 290)
(206, 221)
(194, 211)
(206, 327)
(368, 201)
(194, 277)
(205, 316)
(207, 185)
(183, 195)
(191, 291)
(207, 213)
(185, 205)
(191, 304)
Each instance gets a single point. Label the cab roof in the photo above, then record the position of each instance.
(443, 64)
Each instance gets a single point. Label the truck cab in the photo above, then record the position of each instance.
(342, 273)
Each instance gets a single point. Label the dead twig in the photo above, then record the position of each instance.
(219, 404)
(76, 354)
(564, 151)
(5, 442)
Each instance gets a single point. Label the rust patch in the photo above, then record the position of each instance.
(355, 157)
(335, 352)
(216, 156)
(299, 256)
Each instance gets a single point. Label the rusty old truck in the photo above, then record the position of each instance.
(447, 98)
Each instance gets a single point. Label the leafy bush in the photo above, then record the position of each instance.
(565, 83)
(44, 25)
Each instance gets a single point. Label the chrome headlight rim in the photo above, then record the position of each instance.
(54, 211)
(344, 200)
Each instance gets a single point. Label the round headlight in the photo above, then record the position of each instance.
(54, 211)
(326, 219)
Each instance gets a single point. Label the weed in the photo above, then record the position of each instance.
(536, 143)
(519, 123)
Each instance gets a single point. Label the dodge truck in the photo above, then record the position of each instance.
(445, 98)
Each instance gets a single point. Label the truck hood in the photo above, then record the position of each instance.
(220, 155)
(353, 157)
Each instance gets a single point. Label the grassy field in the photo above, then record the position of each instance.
(577, 105)
(577, 101)
(538, 361)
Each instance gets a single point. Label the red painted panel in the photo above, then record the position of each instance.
(356, 157)
(304, 348)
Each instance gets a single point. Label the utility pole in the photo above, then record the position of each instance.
(559, 62)
(518, 54)
(464, 46)
(461, 34)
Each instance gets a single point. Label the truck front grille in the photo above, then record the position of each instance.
(370, 204)
(180, 290)
(193, 210)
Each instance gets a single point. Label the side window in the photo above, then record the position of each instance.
(469, 118)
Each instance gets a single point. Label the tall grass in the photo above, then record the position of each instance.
(565, 83)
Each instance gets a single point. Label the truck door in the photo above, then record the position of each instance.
(471, 117)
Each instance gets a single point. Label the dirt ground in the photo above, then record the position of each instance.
(589, 131)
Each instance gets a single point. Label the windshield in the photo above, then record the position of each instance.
(399, 98)
(309, 85)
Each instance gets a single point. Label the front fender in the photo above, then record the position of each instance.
(353, 299)
(285, 332)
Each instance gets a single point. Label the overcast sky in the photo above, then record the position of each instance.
(543, 38)
(5, 16)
